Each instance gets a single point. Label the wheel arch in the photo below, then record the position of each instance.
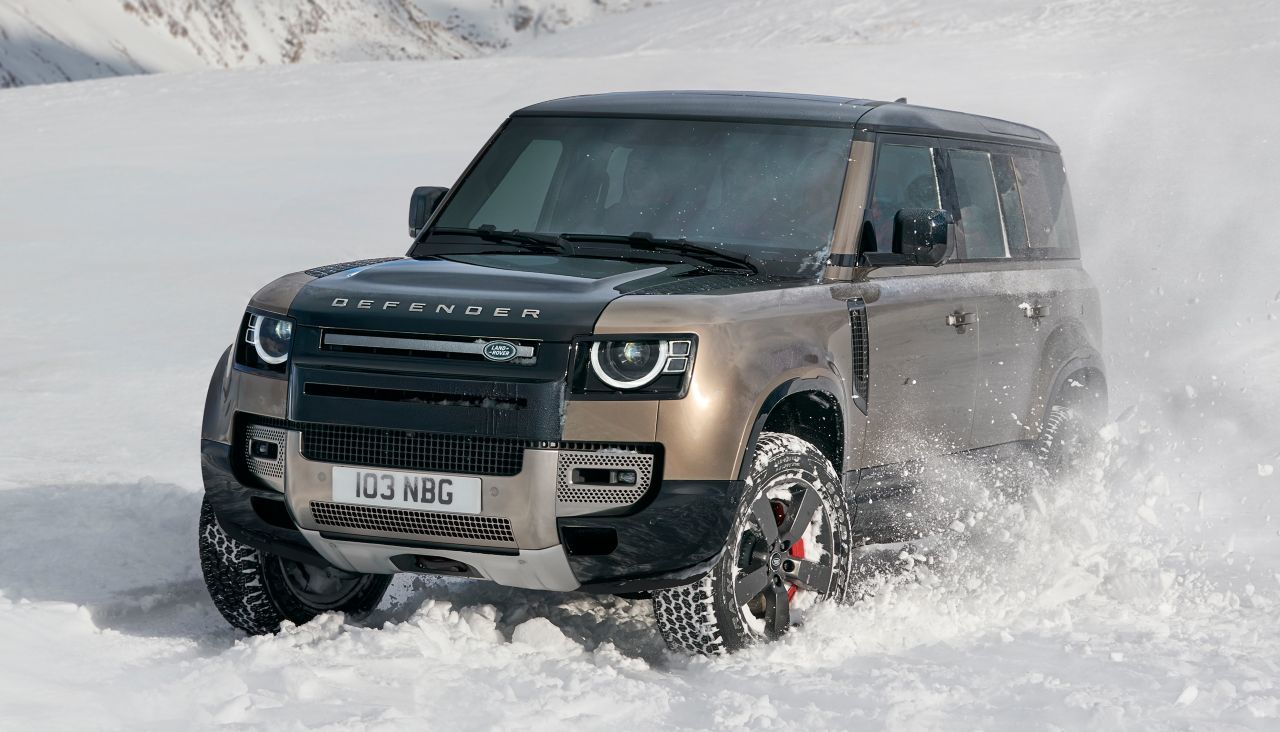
(806, 407)
(1071, 370)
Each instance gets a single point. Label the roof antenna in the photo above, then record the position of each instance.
(900, 100)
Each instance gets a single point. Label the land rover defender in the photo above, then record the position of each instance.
(683, 345)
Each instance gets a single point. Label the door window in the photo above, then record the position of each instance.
(905, 178)
(1015, 224)
(984, 236)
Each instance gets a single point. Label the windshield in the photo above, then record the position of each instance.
(767, 190)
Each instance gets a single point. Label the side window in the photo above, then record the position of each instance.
(905, 177)
(1015, 224)
(517, 200)
(1046, 202)
(979, 213)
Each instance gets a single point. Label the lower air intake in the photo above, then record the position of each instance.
(424, 523)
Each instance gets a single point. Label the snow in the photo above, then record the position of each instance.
(61, 40)
(138, 214)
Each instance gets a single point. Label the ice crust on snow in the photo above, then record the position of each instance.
(138, 215)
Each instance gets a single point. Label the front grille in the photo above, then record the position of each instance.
(405, 450)
(444, 525)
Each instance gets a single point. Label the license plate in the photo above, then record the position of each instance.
(394, 489)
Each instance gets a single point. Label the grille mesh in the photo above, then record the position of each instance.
(258, 466)
(332, 269)
(445, 525)
(568, 492)
(861, 348)
(400, 449)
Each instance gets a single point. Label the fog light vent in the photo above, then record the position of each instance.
(264, 453)
(591, 482)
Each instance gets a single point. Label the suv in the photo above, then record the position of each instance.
(686, 345)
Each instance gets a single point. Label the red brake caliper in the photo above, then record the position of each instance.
(797, 549)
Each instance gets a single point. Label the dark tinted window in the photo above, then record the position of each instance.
(1046, 202)
(904, 178)
(979, 213)
(1015, 224)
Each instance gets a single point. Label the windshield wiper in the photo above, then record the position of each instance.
(522, 239)
(646, 242)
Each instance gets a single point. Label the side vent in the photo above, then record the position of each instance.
(333, 269)
(861, 340)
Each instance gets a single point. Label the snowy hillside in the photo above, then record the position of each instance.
(61, 40)
(138, 214)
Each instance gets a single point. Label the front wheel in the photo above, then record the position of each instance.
(789, 550)
(256, 591)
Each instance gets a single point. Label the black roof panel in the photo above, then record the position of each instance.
(772, 107)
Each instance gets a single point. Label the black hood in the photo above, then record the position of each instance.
(546, 298)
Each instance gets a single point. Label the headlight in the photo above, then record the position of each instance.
(270, 338)
(633, 364)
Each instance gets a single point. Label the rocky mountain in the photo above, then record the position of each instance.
(44, 41)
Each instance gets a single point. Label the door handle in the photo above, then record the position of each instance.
(1034, 311)
(959, 320)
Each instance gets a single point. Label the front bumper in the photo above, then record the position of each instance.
(521, 538)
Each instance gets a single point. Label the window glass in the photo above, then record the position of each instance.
(1045, 201)
(979, 207)
(905, 177)
(769, 190)
(516, 202)
(1015, 224)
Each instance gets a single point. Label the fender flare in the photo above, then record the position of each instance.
(818, 384)
(1087, 360)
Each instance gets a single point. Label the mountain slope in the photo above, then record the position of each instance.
(63, 40)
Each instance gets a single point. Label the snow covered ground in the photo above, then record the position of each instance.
(138, 214)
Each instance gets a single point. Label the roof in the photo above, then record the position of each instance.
(865, 114)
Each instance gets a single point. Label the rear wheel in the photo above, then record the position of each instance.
(256, 591)
(1067, 438)
(788, 551)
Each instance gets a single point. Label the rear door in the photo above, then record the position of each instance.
(922, 329)
(996, 188)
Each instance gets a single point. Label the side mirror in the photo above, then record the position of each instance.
(422, 204)
(921, 235)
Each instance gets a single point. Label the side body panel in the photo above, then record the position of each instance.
(1027, 304)
(748, 344)
(924, 370)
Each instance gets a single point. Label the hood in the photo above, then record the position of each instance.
(547, 298)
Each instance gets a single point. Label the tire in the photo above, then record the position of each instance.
(1066, 440)
(794, 565)
(256, 591)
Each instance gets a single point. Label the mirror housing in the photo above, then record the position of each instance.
(922, 235)
(422, 204)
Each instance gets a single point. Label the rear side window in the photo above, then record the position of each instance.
(905, 177)
(984, 236)
(1046, 202)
